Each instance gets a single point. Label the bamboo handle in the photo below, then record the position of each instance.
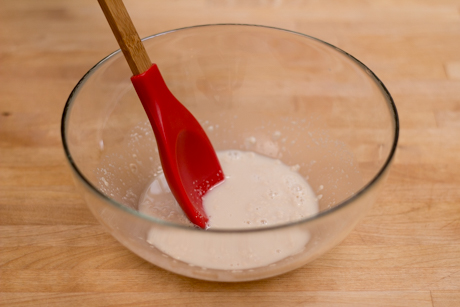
(126, 35)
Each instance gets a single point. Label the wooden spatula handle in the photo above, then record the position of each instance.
(126, 35)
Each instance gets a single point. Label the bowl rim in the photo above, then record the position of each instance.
(365, 188)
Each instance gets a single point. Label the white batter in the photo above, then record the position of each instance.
(257, 192)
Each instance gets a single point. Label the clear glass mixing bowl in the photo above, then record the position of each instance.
(294, 97)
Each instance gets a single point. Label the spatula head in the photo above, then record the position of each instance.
(189, 161)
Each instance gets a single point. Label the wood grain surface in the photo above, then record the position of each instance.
(406, 252)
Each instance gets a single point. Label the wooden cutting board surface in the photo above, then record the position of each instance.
(406, 252)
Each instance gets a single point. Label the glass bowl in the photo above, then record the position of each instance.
(275, 92)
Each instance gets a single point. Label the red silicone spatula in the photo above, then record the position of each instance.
(189, 161)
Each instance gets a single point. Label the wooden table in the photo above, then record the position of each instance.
(406, 252)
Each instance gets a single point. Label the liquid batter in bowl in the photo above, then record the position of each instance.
(258, 191)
